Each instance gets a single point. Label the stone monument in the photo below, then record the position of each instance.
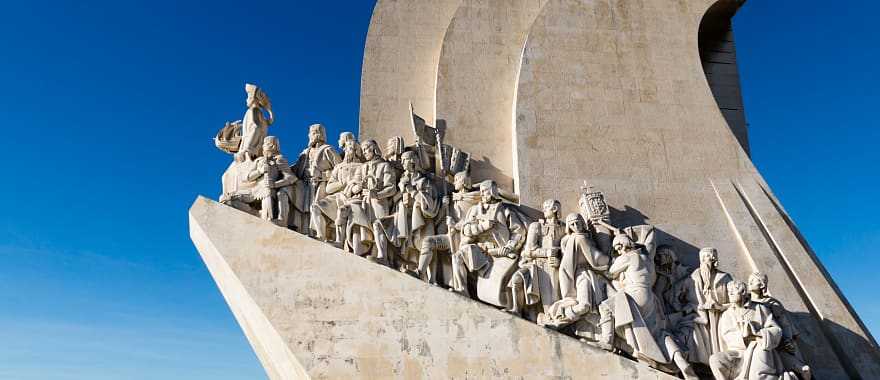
(395, 265)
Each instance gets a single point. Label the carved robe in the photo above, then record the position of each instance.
(638, 315)
(236, 186)
(702, 290)
(487, 228)
(582, 285)
(409, 225)
(339, 193)
(788, 349)
(749, 337)
(378, 176)
(539, 279)
(314, 167)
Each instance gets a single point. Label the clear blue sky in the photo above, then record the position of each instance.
(109, 112)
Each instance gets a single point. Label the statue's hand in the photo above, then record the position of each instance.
(553, 261)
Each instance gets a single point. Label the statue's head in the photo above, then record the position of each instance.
(489, 191)
(256, 97)
(410, 161)
(394, 147)
(665, 259)
(709, 258)
(317, 135)
(271, 146)
(462, 181)
(552, 209)
(370, 150)
(758, 283)
(345, 137)
(574, 223)
(622, 243)
(737, 292)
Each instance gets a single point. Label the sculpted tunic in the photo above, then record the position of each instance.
(638, 315)
(749, 336)
(314, 166)
(707, 293)
(536, 274)
(378, 176)
(411, 223)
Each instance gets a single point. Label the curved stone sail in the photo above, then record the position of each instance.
(614, 93)
(546, 97)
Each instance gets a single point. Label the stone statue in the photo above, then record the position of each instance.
(536, 283)
(748, 336)
(394, 149)
(670, 274)
(344, 139)
(376, 185)
(582, 283)
(706, 292)
(413, 218)
(250, 132)
(314, 166)
(493, 232)
(333, 207)
(792, 359)
(460, 201)
(634, 313)
(274, 183)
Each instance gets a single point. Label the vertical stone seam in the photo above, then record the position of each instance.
(730, 221)
(808, 301)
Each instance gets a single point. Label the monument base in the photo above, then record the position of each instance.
(313, 311)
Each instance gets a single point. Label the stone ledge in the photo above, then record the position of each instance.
(311, 310)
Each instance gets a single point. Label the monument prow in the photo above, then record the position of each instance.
(313, 311)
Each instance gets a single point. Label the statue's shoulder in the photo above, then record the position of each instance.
(535, 227)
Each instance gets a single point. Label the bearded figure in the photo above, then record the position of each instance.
(314, 167)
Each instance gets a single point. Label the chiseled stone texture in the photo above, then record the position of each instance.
(476, 81)
(310, 310)
(613, 92)
(400, 65)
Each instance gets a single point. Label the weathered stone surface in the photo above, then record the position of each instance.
(400, 64)
(310, 310)
(476, 81)
(614, 92)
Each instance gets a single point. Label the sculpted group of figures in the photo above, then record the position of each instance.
(614, 287)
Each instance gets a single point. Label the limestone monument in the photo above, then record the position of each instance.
(625, 116)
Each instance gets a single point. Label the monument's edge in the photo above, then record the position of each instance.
(268, 344)
(277, 359)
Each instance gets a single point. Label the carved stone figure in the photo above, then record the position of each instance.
(448, 240)
(582, 283)
(536, 283)
(413, 218)
(792, 359)
(634, 313)
(376, 186)
(275, 181)
(394, 149)
(670, 274)
(344, 139)
(493, 233)
(333, 207)
(706, 292)
(250, 132)
(671, 289)
(314, 166)
(749, 337)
